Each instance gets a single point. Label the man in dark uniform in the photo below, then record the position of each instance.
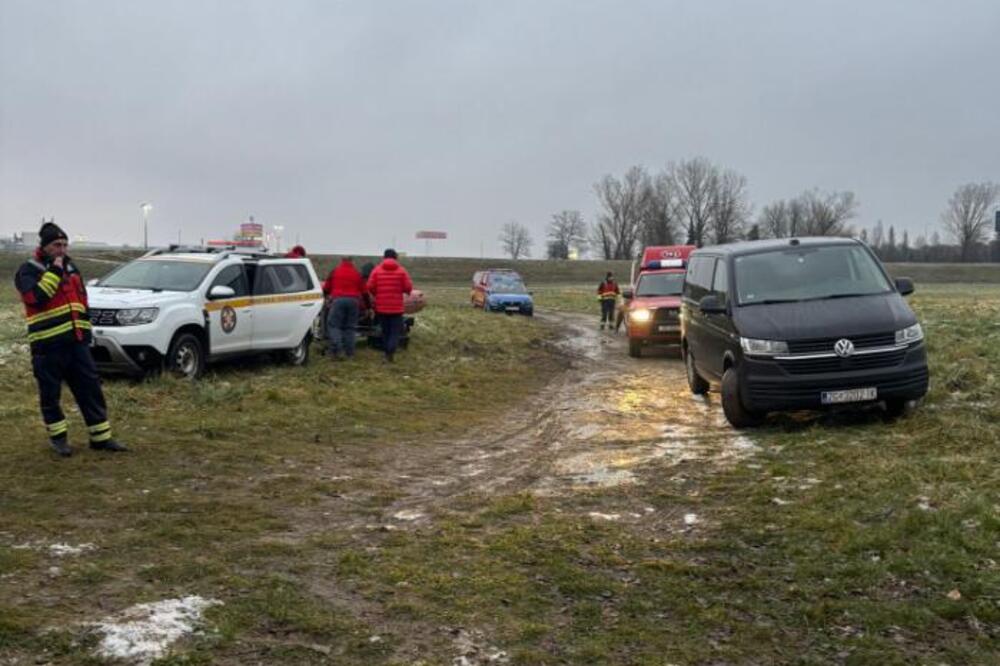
(55, 305)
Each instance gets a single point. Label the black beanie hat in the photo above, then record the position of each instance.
(49, 232)
(390, 254)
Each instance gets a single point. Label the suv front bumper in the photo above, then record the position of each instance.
(766, 386)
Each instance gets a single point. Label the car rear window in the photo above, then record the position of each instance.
(282, 279)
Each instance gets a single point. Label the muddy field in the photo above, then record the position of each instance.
(514, 491)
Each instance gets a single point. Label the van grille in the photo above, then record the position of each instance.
(809, 366)
(820, 345)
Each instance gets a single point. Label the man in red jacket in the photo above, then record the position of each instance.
(345, 288)
(388, 283)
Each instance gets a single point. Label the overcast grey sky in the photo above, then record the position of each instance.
(354, 124)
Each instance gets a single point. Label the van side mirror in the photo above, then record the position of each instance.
(904, 286)
(711, 305)
(628, 293)
(221, 291)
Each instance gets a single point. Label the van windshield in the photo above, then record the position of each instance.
(660, 284)
(507, 284)
(808, 273)
(158, 275)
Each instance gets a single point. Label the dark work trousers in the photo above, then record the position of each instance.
(342, 325)
(71, 363)
(607, 311)
(392, 331)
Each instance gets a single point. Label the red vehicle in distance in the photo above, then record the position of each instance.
(653, 302)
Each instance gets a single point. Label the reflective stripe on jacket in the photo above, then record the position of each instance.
(607, 289)
(55, 302)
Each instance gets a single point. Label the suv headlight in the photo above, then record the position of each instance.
(763, 347)
(640, 316)
(909, 334)
(136, 316)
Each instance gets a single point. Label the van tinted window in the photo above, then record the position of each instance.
(699, 277)
(720, 283)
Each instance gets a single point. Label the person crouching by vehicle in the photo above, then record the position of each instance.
(345, 288)
(59, 332)
(608, 292)
(388, 283)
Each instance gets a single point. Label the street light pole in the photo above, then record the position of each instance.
(145, 208)
(277, 236)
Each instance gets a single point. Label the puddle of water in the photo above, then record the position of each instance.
(145, 632)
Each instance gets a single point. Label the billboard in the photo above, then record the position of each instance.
(432, 235)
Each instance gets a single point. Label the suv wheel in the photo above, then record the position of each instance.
(737, 415)
(186, 356)
(635, 348)
(697, 385)
(299, 355)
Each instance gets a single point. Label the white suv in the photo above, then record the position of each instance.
(179, 309)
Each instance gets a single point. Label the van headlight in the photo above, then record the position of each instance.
(763, 347)
(136, 316)
(640, 316)
(909, 334)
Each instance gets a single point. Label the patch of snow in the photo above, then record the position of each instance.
(604, 516)
(145, 632)
(408, 515)
(64, 549)
(691, 519)
(780, 502)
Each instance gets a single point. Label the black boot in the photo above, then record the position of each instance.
(61, 446)
(110, 445)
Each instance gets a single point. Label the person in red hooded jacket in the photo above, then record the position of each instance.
(345, 288)
(388, 283)
(297, 252)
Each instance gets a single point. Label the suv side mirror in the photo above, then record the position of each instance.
(711, 305)
(628, 293)
(221, 291)
(904, 286)
(92, 282)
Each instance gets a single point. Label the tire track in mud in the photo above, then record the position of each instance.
(604, 422)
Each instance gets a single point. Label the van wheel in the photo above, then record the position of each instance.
(737, 415)
(635, 348)
(697, 385)
(895, 409)
(299, 355)
(186, 356)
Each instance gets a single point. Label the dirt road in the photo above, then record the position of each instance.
(607, 420)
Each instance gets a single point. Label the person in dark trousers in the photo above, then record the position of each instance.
(608, 292)
(346, 288)
(59, 331)
(388, 283)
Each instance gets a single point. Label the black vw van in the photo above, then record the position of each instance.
(799, 324)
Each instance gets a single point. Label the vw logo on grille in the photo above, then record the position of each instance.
(844, 348)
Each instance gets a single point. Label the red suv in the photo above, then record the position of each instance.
(652, 316)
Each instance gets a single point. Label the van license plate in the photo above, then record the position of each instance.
(852, 395)
(666, 329)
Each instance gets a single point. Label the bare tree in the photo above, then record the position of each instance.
(967, 217)
(567, 230)
(624, 203)
(663, 214)
(773, 220)
(729, 207)
(516, 240)
(696, 181)
(828, 213)
(878, 235)
(798, 217)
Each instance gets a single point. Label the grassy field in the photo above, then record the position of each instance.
(844, 539)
